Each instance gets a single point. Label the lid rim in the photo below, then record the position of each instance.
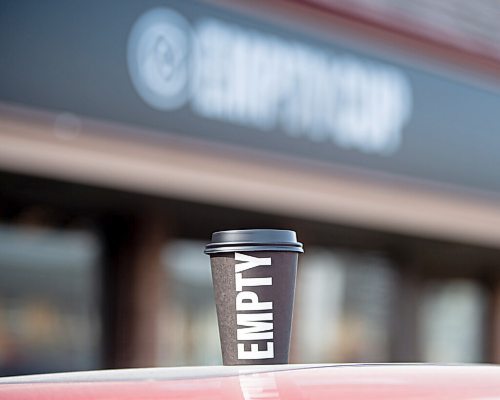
(253, 240)
(247, 243)
(235, 249)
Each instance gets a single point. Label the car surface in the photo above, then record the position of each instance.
(287, 382)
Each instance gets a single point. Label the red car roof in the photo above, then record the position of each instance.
(293, 382)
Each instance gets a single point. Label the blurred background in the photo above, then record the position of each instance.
(130, 131)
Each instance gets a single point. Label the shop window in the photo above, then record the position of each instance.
(49, 317)
(343, 308)
(451, 321)
(188, 332)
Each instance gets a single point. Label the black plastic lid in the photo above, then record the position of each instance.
(253, 240)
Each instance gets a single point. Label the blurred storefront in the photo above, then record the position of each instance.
(129, 131)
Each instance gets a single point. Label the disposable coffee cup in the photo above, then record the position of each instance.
(253, 273)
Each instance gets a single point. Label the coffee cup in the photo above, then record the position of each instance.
(253, 273)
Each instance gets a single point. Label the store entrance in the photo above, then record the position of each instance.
(94, 277)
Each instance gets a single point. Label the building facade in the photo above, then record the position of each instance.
(131, 131)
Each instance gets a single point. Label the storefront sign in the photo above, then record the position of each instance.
(249, 78)
(194, 70)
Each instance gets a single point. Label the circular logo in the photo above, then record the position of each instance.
(158, 58)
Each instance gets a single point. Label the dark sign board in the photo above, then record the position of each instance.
(201, 71)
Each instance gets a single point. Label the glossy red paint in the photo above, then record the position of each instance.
(346, 382)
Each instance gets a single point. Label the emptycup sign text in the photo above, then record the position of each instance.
(230, 73)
